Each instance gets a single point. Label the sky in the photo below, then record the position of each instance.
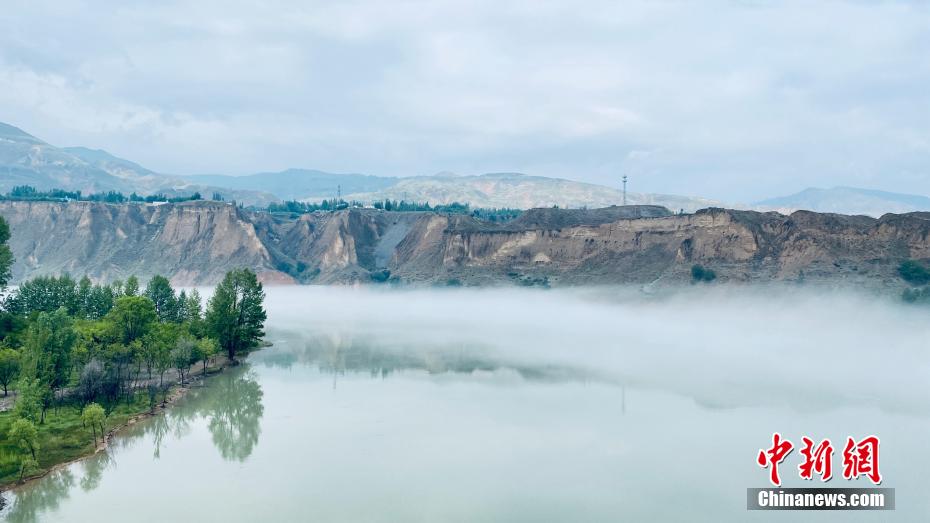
(736, 101)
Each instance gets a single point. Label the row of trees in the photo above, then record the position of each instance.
(296, 207)
(487, 214)
(28, 192)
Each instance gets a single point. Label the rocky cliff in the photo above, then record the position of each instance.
(197, 242)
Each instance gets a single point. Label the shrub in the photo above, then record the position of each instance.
(380, 276)
(914, 272)
(701, 274)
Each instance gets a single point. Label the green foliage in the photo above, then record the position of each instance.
(29, 400)
(529, 281)
(914, 272)
(9, 367)
(701, 274)
(29, 193)
(182, 356)
(131, 287)
(93, 416)
(25, 437)
(205, 349)
(161, 293)
(6, 255)
(95, 348)
(63, 437)
(235, 316)
(132, 316)
(50, 293)
(105, 349)
(296, 207)
(916, 295)
(47, 350)
(380, 276)
(46, 294)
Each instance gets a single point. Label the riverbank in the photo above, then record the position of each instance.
(64, 440)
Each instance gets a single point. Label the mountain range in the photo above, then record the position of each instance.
(28, 160)
(846, 200)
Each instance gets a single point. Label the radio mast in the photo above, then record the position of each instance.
(624, 189)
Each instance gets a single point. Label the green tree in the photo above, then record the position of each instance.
(162, 295)
(46, 294)
(182, 355)
(235, 315)
(94, 416)
(29, 398)
(82, 296)
(99, 302)
(699, 273)
(47, 350)
(9, 367)
(182, 305)
(132, 316)
(193, 313)
(6, 255)
(24, 435)
(205, 349)
(914, 272)
(131, 287)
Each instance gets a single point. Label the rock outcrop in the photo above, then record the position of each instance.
(197, 242)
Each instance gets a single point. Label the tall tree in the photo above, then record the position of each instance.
(235, 315)
(94, 416)
(82, 296)
(29, 398)
(100, 301)
(47, 351)
(161, 293)
(131, 287)
(6, 255)
(24, 434)
(9, 367)
(132, 316)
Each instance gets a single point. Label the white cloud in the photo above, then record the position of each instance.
(732, 100)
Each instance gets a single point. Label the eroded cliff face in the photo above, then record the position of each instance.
(196, 243)
(192, 244)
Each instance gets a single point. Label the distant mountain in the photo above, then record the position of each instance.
(27, 160)
(299, 184)
(130, 172)
(847, 200)
(487, 190)
(524, 192)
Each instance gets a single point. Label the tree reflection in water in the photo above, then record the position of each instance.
(235, 413)
(231, 403)
(93, 470)
(41, 497)
(380, 357)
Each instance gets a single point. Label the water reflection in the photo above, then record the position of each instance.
(235, 413)
(93, 470)
(42, 496)
(339, 353)
(231, 403)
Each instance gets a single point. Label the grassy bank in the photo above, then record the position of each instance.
(62, 438)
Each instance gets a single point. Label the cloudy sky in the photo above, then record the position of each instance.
(729, 100)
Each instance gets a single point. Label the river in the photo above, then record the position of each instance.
(519, 405)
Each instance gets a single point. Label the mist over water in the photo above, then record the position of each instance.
(721, 347)
(591, 404)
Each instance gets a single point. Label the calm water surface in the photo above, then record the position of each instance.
(516, 406)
